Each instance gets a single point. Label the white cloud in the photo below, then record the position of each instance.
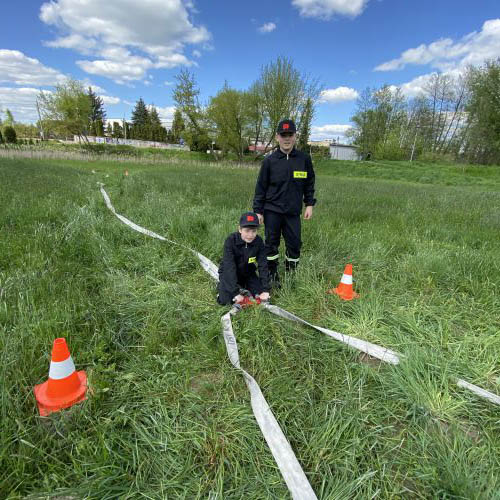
(267, 28)
(95, 88)
(131, 68)
(74, 41)
(446, 55)
(330, 131)
(138, 36)
(168, 84)
(17, 68)
(339, 94)
(173, 60)
(110, 100)
(196, 53)
(166, 113)
(326, 9)
(21, 101)
(415, 86)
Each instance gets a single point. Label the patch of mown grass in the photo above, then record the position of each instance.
(169, 417)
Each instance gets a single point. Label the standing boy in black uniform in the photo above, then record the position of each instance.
(244, 251)
(286, 179)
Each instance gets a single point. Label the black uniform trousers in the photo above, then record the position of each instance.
(250, 282)
(277, 224)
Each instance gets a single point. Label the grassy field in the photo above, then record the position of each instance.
(169, 417)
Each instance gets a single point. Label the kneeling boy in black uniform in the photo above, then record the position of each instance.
(244, 252)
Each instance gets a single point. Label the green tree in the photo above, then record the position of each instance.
(1, 137)
(97, 114)
(482, 131)
(378, 122)
(9, 134)
(305, 125)
(255, 113)
(9, 118)
(185, 95)
(25, 130)
(109, 130)
(285, 91)
(67, 109)
(178, 127)
(126, 129)
(140, 120)
(117, 130)
(156, 131)
(227, 111)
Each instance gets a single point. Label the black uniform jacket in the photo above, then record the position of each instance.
(283, 182)
(241, 260)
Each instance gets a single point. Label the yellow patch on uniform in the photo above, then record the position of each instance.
(297, 174)
(252, 260)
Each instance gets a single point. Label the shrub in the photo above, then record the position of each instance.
(10, 134)
(430, 157)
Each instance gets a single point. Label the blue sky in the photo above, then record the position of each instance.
(128, 49)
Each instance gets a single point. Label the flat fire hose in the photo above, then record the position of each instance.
(283, 454)
(281, 450)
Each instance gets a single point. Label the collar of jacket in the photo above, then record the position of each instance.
(280, 153)
(239, 240)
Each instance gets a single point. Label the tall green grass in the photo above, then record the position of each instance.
(168, 416)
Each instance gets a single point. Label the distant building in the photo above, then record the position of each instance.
(324, 143)
(260, 147)
(344, 152)
(165, 123)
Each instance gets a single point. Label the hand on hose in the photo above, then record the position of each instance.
(264, 296)
(238, 298)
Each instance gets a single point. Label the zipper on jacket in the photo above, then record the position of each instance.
(287, 157)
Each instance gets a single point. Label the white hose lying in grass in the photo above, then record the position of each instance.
(282, 452)
(287, 462)
(207, 264)
(373, 350)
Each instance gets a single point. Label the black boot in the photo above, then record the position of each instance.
(291, 265)
(274, 279)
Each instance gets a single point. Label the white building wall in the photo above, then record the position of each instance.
(343, 153)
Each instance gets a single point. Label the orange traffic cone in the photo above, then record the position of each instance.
(65, 386)
(344, 290)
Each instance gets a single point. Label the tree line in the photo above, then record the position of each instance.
(234, 120)
(73, 110)
(456, 118)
